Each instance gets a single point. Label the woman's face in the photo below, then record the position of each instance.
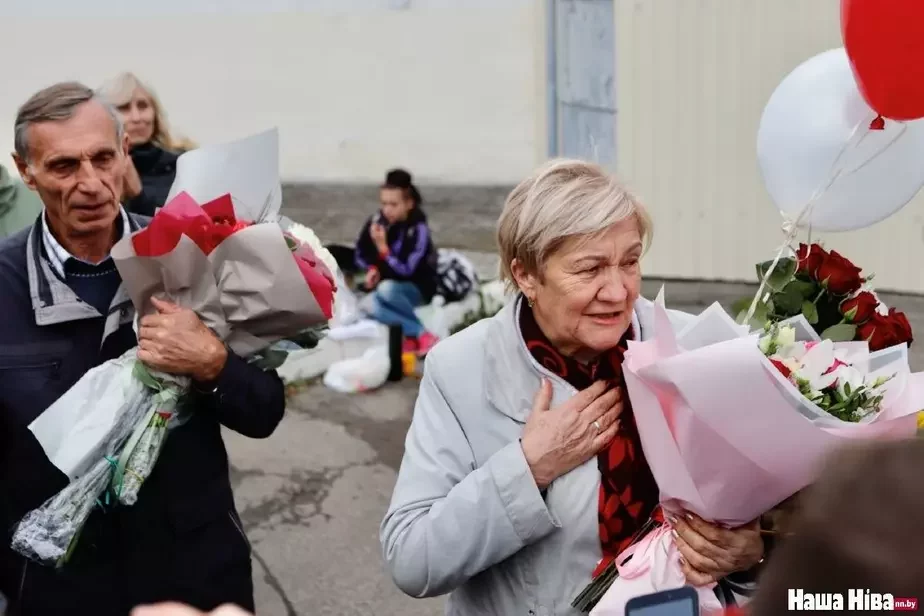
(139, 117)
(396, 205)
(584, 300)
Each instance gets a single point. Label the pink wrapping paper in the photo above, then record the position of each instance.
(726, 439)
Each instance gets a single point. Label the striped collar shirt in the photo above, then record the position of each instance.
(58, 254)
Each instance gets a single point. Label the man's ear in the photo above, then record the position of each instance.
(126, 144)
(525, 281)
(24, 172)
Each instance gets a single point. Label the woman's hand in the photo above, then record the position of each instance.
(711, 552)
(556, 441)
(131, 181)
(379, 238)
(372, 278)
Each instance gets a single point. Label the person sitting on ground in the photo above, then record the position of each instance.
(396, 251)
(153, 149)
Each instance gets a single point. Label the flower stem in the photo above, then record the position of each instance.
(819, 296)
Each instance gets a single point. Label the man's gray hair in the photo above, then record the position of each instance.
(55, 104)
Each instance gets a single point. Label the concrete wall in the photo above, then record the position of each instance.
(692, 81)
(452, 89)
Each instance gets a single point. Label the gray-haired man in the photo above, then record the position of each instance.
(65, 311)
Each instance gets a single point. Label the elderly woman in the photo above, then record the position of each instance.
(523, 474)
(153, 149)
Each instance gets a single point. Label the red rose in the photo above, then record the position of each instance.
(879, 332)
(901, 326)
(859, 309)
(839, 275)
(781, 367)
(809, 258)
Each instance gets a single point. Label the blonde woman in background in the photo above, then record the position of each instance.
(153, 149)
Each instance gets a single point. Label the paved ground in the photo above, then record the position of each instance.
(312, 496)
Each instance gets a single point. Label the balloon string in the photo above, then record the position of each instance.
(791, 228)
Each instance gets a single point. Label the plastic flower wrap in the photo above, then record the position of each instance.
(720, 412)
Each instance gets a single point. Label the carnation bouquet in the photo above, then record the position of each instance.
(228, 260)
(722, 408)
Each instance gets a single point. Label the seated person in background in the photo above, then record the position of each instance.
(858, 528)
(397, 254)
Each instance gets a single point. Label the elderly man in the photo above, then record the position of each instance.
(65, 311)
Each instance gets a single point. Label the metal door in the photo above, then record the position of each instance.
(582, 80)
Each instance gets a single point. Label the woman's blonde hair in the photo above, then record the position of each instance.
(562, 200)
(119, 91)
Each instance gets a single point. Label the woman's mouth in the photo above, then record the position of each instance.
(607, 318)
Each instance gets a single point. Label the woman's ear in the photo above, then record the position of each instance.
(527, 283)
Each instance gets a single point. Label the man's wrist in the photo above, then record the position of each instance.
(212, 368)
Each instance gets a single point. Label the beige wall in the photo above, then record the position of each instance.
(454, 90)
(692, 81)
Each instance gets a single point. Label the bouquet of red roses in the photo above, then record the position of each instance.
(229, 261)
(833, 296)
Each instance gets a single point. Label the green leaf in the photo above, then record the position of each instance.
(782, 274)
(808, 290)
(141, 372)
(848, 392)
(788, 302)
(842, 332)
(741, 305)
(810, 312)
(758, 320)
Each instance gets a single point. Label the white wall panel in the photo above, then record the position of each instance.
(693, 77)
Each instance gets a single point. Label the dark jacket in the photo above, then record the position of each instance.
(412, 255)
(157, 169)
(183, 539)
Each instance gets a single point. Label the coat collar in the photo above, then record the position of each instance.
(511, 375)
(53, 301)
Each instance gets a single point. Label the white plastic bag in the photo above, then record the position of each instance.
(370, 371)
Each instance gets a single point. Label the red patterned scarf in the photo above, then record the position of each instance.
(628, 492)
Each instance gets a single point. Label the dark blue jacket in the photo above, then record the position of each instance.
(183, 539)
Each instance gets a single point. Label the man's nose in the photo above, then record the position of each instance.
(88, 179)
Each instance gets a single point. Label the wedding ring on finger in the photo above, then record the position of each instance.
(596, 425)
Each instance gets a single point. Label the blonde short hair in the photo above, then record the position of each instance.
(119, 91)
(562, 200)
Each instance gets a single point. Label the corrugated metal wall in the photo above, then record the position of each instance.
(692, 78)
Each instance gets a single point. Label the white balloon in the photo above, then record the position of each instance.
(815, 129)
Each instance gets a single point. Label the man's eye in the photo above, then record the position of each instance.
(631, 263)
(63, 166)
(103, 158)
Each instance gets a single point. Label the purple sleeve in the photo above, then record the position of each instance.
(358, 258)
(413, 260)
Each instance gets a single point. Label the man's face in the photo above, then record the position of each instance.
(77, 166)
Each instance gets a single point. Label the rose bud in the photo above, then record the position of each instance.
(809, 259)
(879, 332)
(860, 308)
(901, 326)
(839, 275)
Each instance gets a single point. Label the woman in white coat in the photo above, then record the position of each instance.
(523, 475)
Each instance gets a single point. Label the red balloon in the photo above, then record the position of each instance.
(885, 42)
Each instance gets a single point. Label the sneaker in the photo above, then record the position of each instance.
(410, 345)
(425, 343)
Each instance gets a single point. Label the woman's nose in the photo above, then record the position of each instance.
(614, 289)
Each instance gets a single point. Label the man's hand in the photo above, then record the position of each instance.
(379, 237)
(175, 341)
(177, 609)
